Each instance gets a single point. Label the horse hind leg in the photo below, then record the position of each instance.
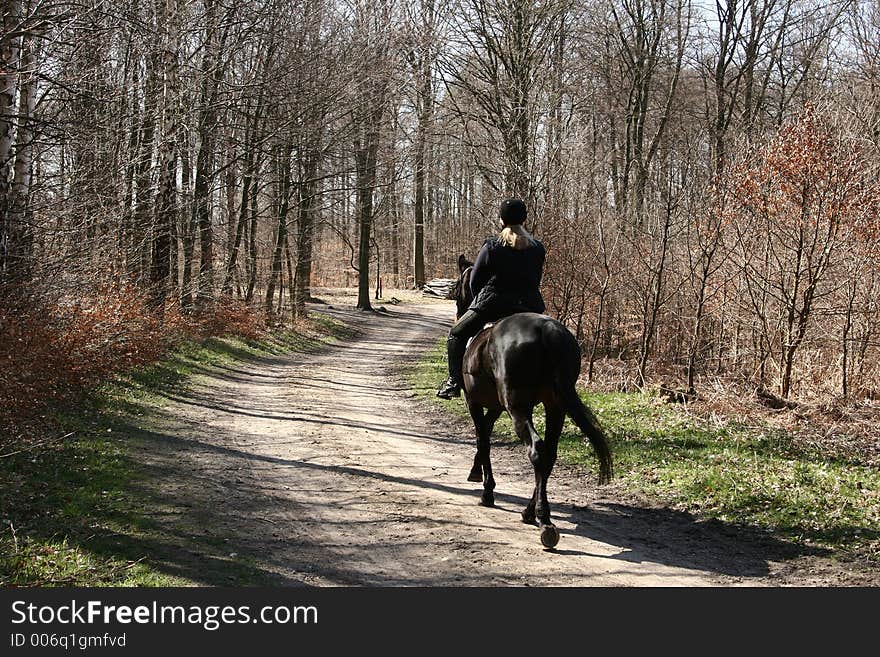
(542, 454)
(555, 419)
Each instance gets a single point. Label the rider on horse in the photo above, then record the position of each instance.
(505, 279)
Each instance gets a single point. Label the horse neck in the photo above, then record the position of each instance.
(464, 298)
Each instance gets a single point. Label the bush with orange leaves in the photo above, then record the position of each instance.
(52, 352)
(805, 215)
(224, 317)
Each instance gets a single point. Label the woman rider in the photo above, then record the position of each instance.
(505, 279)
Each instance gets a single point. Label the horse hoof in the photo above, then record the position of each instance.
(476, 476)
(487, 500)
(549, 536)
(528, 518)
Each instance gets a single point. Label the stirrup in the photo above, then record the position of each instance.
(449, 390)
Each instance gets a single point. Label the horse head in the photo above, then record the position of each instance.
(461, 291)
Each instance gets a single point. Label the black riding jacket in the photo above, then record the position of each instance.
(505, 280)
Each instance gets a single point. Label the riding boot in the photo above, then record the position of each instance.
(455, 347)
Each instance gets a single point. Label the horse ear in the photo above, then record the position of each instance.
(463, 263)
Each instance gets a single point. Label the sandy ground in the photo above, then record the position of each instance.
(324, 469)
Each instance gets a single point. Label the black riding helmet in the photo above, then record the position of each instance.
(513, 211)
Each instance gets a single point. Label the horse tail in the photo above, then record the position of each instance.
(566, 375)
(585, 420)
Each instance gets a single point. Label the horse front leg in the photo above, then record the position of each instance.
(528, 514)
(484, 454)
(482, 467)
(476, 473)
(525, 431)
(479, 418)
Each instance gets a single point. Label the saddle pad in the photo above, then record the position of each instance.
(485, 326)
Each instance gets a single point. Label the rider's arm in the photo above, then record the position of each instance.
(541, 258)
(481, 271)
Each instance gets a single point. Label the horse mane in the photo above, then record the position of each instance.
(462, 292)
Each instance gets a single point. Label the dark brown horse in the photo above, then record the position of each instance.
(521, 361)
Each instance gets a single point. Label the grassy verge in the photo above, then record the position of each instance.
(79, 511)
(717, 469)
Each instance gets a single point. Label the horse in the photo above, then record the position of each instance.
(513, 365)
(461, 290)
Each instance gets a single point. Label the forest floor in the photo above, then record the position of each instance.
(326, 468)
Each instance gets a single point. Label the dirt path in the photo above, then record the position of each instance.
(323, 469)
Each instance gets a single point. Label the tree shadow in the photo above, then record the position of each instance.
(643, 535)
(678, 539)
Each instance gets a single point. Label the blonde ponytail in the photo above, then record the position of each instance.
(516, 237)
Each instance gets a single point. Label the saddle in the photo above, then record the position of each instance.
(486, 326)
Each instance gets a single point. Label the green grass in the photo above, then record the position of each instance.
(81, 511)
(724, 470)
(68, 521)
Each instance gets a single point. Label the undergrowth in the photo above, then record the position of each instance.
(53, 351)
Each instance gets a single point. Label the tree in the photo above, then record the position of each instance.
(373, 33)
(167, 26)
(422, 59)
(10, 44)
(503, 47)
(796, 202)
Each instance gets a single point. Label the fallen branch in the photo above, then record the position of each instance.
(770, 400)
(35, 445)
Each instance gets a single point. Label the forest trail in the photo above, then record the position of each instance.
(323, 469)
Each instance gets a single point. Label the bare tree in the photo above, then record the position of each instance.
(504, 45)
(422, 59)
(10, 44)
(373, 32)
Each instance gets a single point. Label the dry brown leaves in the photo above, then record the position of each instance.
(52, 352)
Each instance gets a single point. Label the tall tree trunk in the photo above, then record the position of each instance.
(394, 214)
(230, 185)
(282, 169)
(234, 247)
(189, 224)
(207, 125)
(366, 180)
(249, 177)
(252, 237)
(366, 152)
(19, 218)
(166, 210)
(654, 301)
(419, 228)
(423, 61)
(426, 102)
(291, 275)
(305, 232)
(128, 238)
(144, 196)
(9, 56)
(248, 173)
